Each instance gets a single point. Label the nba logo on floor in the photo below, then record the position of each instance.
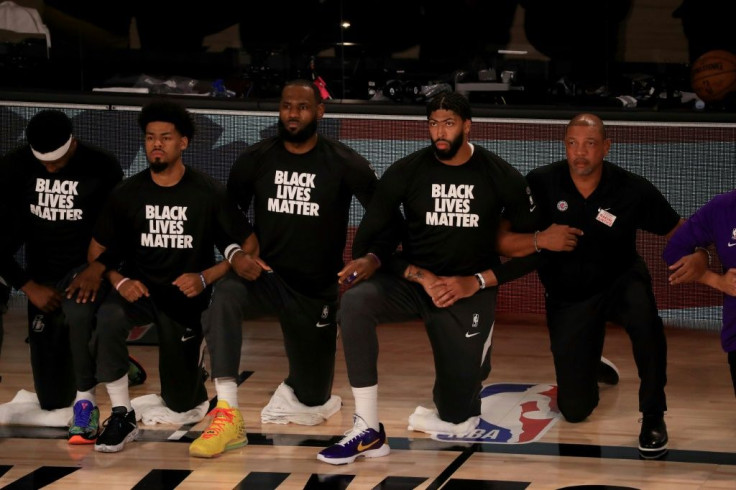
(512, 413)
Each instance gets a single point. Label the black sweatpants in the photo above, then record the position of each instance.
(460, 336)
(180, 341)
(62, 347)
(577, 330)
(308, 325)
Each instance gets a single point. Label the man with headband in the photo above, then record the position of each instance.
(52, 189)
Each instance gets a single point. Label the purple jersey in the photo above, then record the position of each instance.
(714, 223)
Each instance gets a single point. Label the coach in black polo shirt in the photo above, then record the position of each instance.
(603, 278)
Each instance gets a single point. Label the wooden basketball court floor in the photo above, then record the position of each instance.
(597, 453)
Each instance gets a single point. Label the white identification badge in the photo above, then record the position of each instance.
(605, 217)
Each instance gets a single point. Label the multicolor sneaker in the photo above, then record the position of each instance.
(226, 431)
(359, 441)
(120, 428)
(85, 425)
(136, 374)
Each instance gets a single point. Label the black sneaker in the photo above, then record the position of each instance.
(607, 372)
(653, 437)
(120, 428)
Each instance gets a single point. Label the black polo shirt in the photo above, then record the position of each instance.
(622, 203)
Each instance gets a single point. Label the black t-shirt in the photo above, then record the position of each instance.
(301, 207)
(53, 214)
(452, 213)
(162, 232)
(622, 203)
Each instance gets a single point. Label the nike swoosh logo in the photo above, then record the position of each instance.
(362, 448)
(531, 209)
(468, 334)
(731, 244)
(320, 325)
(185, 338)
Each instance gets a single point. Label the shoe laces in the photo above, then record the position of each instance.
(115, 422)
(220, 418)
(359, 427)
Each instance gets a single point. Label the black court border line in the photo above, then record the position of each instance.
(447, 473)
(528, 449)
(405, 443)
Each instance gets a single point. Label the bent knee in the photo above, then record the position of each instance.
(78, 312)
(230, 288)
(111, 319)
(110, 313)
(358, 299)
(575, 412)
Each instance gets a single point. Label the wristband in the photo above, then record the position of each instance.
(374, 257)
(481, 280)
(204, 283)
(229, 250)
(234, 253)
(120, 283)
(707, 252)
(536, 248)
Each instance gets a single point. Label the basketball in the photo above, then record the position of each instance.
(713, 75)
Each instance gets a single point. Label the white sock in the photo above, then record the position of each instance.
(87, 395)
(118, 391)
(366, 405)
(227, 390)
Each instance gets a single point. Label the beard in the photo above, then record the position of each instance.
(450, 152)
(157, 166)
(300, 136)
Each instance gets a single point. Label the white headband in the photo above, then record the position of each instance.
(53, 155)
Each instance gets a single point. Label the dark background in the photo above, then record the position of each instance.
(580, 43)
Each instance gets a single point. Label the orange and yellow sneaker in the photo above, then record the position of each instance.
(225, 432)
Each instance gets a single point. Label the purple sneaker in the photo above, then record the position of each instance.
(359, 441)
